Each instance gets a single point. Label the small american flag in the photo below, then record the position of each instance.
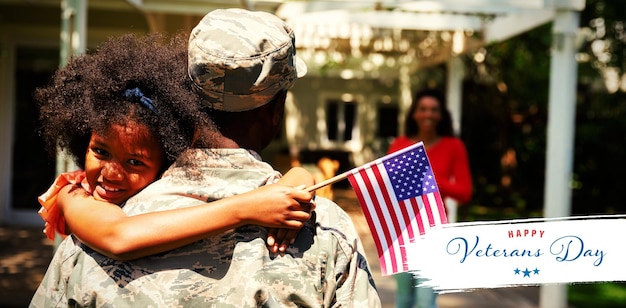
(400, 199)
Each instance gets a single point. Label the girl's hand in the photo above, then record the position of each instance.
(279, 238)
(275, 206)
(284, 210)
(291, 208)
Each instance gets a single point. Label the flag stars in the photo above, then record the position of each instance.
(408, 173)
(526, 272)
(381, 184)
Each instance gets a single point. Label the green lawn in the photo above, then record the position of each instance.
(597, 295)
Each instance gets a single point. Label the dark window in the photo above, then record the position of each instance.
(387, 121)
(33, 167)
(340, 120)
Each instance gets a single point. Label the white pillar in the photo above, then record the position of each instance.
(73, 29)
(406, 96)
(73, 42)
(456, 73)
(454, 95)
(560, 144)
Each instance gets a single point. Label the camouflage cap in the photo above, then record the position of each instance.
(239, 60)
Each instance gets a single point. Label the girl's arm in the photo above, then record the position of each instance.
(279, 238)
(107, 229)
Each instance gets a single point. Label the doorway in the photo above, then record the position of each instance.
(33, 168)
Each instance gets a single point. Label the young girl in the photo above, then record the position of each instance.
(116, 112)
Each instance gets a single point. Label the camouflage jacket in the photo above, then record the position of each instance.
(326, 267)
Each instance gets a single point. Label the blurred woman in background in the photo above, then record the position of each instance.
(429, 121)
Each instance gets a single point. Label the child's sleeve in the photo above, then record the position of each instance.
(49, 210)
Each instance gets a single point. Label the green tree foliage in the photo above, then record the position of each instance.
(506, 113)
(601, 110)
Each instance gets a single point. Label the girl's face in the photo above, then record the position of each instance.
(122, 161)
(427, 114)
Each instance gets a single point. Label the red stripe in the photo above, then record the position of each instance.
(387, 202)
(407, 219)
(441, 207)
(418, 217)
(429, 210)
(409, 229)
(381, 218)
(368, 218)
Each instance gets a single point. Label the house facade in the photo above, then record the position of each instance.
(327, 114)
(364, 61)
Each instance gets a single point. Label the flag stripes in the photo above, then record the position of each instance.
(400, 201)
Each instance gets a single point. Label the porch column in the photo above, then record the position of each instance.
(73, 42)
(561, 125)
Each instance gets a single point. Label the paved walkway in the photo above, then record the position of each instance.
(25, 254)
(24, 257)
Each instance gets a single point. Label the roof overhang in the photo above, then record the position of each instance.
(390, 32)
(324, 26)
(201, 7)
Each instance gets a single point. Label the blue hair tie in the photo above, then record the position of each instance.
(143, 100)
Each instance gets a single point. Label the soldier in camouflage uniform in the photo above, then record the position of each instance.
(242, 63)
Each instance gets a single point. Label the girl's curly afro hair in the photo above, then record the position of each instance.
(88, 94)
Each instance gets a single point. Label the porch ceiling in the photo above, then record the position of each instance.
(382, 35)
(414, 33)
(375, 36)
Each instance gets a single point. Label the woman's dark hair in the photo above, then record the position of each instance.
(131, 77)
(444, 128)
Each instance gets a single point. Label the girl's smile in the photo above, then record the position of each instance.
(122, 161)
